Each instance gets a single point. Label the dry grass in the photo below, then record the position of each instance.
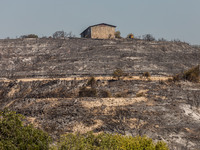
(81, 128)
(13, 91)
(153, 78)
(141, 93)
(112, 102)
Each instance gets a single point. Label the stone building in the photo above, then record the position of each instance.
(99, 31)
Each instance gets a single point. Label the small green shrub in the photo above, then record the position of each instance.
(118, 73)
(105, 141)
(117, 34)
(15, 135)
(87, 92)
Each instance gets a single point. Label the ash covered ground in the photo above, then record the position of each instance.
(154, 107)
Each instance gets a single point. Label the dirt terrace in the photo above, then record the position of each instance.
(156, 108)
(41, 79)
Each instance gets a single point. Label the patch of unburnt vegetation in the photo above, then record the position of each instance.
(108, 141)
(16, 135)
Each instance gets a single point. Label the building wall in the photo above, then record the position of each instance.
(102, 32)
(87, 33)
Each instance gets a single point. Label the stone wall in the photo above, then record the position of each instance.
(103, 32)
(86, 33)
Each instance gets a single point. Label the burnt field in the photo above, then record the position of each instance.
(47, 80)
(161, 110)
(21, 58)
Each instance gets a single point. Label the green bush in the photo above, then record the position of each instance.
(15, 135)
(105, 141)
(117, 34)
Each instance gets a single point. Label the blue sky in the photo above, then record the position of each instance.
(170, 19)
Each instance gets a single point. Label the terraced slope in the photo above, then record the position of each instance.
(159, 109)
(67, 57)
(42, 79)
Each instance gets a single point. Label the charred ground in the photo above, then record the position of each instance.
(67, 57)
(153, 106)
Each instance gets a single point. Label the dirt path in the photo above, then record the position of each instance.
(153, 78)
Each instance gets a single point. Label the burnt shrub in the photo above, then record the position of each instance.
(29, 36)
(118, 73)
(104, 94)
(148, 37)
(176, 78)
(92, 82)
(146, 74)
(192, 74)
(59, 34)
(140, 94)
(122, 94)
(87, 92)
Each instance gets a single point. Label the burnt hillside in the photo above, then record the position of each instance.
(67, 57)
(48, 83)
